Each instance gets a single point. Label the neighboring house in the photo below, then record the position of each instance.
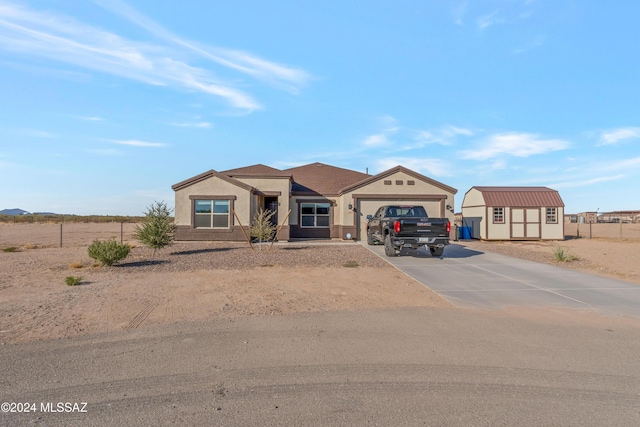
(325, 201)
(514, 213)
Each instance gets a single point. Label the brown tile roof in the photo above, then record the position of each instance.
(257, 170)
(520, 196)
(318, 178)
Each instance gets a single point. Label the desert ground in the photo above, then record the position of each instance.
(196, 281)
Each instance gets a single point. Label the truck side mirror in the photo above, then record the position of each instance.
(369, 217)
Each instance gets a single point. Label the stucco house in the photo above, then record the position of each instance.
(325, 201)
(513, 213)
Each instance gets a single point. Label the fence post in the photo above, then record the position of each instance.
(60, 234)
(121, 232)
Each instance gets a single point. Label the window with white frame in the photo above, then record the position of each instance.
(498, 215)
(552, 216)
(315, 215)
(212, 213)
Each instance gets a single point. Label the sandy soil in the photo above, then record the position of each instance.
(202, 281)
(619, 259)
(189, 282)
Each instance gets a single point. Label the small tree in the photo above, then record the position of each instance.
(261, 226)
(157, 229)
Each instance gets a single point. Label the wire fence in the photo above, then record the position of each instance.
(64, 234)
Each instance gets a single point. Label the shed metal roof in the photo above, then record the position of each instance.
(521, 196)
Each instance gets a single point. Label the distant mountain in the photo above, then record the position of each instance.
(14, 211)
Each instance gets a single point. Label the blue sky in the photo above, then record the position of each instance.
(105, 104)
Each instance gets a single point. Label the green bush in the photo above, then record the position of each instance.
(73, 280)
(10, 249)
(563, 255)
(108, 252)
(157, 229)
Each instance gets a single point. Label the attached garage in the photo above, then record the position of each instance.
(398, 186)
(513, 213)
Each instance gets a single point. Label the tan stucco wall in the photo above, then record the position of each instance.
(283, 185)
(212, 186)
(420, 188)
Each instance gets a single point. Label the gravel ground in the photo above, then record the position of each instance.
(189, 256)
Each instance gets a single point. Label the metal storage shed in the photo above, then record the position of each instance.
(513, 213)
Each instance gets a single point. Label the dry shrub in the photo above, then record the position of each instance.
(76, 264)
(30, 246)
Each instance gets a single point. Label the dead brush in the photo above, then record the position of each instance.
(30, 246)
(76, 264)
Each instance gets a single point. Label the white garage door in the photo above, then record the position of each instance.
(370, 206)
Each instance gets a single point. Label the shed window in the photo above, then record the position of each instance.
(552, 216)
(498, 215)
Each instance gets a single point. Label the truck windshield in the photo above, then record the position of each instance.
(394, 211)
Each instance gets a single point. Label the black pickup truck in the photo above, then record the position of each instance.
(407, 227)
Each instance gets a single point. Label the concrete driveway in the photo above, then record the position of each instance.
(472, 279)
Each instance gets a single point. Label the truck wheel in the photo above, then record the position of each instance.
(370, 240)
(389, 250)
(436, 251)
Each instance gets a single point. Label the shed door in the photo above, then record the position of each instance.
(525, 223)
(517, 224)
(533, 224)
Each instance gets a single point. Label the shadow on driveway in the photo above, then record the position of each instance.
(450, 251)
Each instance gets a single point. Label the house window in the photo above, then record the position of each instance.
(498, 215)
(314, 214)
(212, 213)
(552, 216)
(387, 182)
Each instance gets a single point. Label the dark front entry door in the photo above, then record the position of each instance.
(271, 203)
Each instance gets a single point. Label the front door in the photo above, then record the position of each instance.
(271, 203)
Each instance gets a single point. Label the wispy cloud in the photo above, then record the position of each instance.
(617, 135)
(137, 143)
(92, 119)
(274, 73)
(376, 140)
(459, 12)
(193, 125)
(37, 133)
(596, 172)
(426, 166)
(514, 144)
(486, 21)
(106, 152)
(444, 136)
(405, 138)
(586, 182)
(63, 39)
(533, 43)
